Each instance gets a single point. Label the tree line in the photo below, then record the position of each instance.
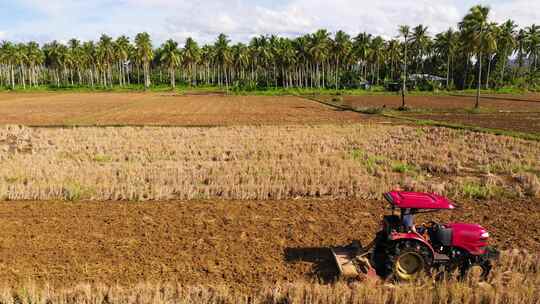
(477, 53)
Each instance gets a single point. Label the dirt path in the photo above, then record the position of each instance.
(209, 242)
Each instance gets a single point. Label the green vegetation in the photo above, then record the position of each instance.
(73, 191)
(11, 179)
(314, 63)
(474, 190)
(402, 167)
(370, 162)
(102, 158)
(183, 88)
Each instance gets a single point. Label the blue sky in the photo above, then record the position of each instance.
(44, 20)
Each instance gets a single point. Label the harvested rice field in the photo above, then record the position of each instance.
(354, 161)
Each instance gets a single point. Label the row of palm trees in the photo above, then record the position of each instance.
(478, 51)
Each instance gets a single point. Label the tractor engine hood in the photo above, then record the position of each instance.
(471, 237)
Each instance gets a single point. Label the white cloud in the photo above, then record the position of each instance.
(243, 19)
(2, 35)
(523, 12)
(376, 17)
(291, 20)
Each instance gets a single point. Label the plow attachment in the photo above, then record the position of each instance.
(353, 261)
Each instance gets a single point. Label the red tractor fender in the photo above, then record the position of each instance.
(398, 236)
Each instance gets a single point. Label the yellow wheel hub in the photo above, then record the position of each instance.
(409, 265)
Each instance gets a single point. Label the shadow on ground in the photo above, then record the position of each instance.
(323, 264)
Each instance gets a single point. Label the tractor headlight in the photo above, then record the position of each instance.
(485, 235)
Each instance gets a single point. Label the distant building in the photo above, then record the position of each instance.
(417, 77)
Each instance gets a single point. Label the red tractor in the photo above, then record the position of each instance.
(402, 253)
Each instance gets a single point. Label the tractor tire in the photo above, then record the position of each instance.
(464, 263)
(409, 260)
(485, 262)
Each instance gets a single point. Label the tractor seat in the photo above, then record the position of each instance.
(440, 235)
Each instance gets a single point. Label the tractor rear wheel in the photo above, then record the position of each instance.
(409, 260)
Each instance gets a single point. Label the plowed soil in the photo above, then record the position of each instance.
(506, 112)
(499, 103)
(58, 109)
(521, 122)
(238, 243)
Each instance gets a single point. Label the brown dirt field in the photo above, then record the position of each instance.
(242, 244)
(442, 102)
(521, 122)
(57, 108)
(526, 96)
(496, 113)
(164, 109)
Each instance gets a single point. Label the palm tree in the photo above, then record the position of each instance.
(361, 49)
(393, 55)
(207, 61)
(492, 32)
(533, 45)
(341, 47)
(446, 44)
(35, 58)
(54, 59)
(288, 58)
(301, 47)
(145, 54)
(273, 45)
(240, 60)
(318, 51)
(521, 49)
(419, 43)
(105, 55)
(405, 32)
(121, 50)
(171, 59)
(223, 56)
(376, 55)
(475, 27)
(20, 59)
(89, 60)
(74, 52)
(262, 56)
(8, 57)
(507, 43)
(192, 55)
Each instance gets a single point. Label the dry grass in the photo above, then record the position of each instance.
(515, 280)
(265, 162)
